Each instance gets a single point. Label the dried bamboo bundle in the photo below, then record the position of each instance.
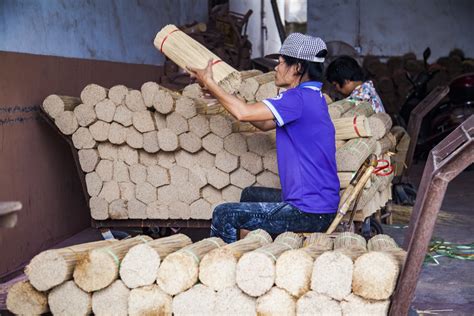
(352, 253)
(179, 271)
(353, 153)
(54, 104)
(113, 300)
(313, 303)
(149, 300)
(140, 265)
(375, 275)
(340, 143)
(360, 108)
(338, 108)
(198, 300)
(255, 273)
(319, 240)
(351, 127)
(332, 275)
(100, 266)
(354, 305)
(385, 144)
(232, 301)
(249, 85)
(328, 99)
(266, 90)
(276, 302)
(24, 299)
(350, 240)
(265, 78)
(185, 51)
(217, 268)
(53, 267)
(69, 299)
(380, 123)
(294, 267)
(67, 122)
(381, 242)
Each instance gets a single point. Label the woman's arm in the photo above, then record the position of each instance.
(256, 112)
(264, 125)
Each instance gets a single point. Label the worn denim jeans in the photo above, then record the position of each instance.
(262, 208)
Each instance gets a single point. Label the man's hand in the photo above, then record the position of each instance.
(203, 76)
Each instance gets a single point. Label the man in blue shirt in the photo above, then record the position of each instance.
(305, 140)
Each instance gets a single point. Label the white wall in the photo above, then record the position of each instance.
(395, 27)
(271, 43)
(115, 30)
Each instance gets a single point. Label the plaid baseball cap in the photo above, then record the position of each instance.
(301, 46)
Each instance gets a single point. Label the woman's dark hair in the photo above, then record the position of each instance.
(344, 68)
(314, 70)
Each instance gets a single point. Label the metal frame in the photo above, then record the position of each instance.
(445, 162)
(416, 118)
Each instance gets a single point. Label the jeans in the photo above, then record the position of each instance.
(262, 208)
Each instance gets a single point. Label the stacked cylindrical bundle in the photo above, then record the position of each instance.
(179, 271)
(294, 267)
(53, 267)
(100, 266)
(140, 265)
(149, 154)
(338, 108)
(255, 273)
(350, 244)
(24, 299)
(353, 153)
(387, 244)
(185, 51)
(360, 108)
(217, 268)
(351, 127)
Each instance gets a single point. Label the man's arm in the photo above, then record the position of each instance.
(264, 125)
(256, 112)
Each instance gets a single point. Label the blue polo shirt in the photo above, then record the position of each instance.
(306, 150)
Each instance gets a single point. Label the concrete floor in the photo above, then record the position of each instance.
(448, 286)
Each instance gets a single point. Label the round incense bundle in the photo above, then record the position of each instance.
(354, 305)
(338, 108)
(350, 241)
(381, 242)
(149, 300)
(232, 301)
(375, 275)
(386, 143)
(24, 299)
(179, 271)
(185, 51)
(332, 275)
(380, 124)
(113, 300)
(69, 299)
(294, 267)
(276, 302)
(351, 127)
(353, 153)
(53, 267)
(350, 244)
(100, 267)
(140, 265)
(313, 303)
(198, 300)
(255, 273)
(217, 268)
(360, 108)
(54, 104)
